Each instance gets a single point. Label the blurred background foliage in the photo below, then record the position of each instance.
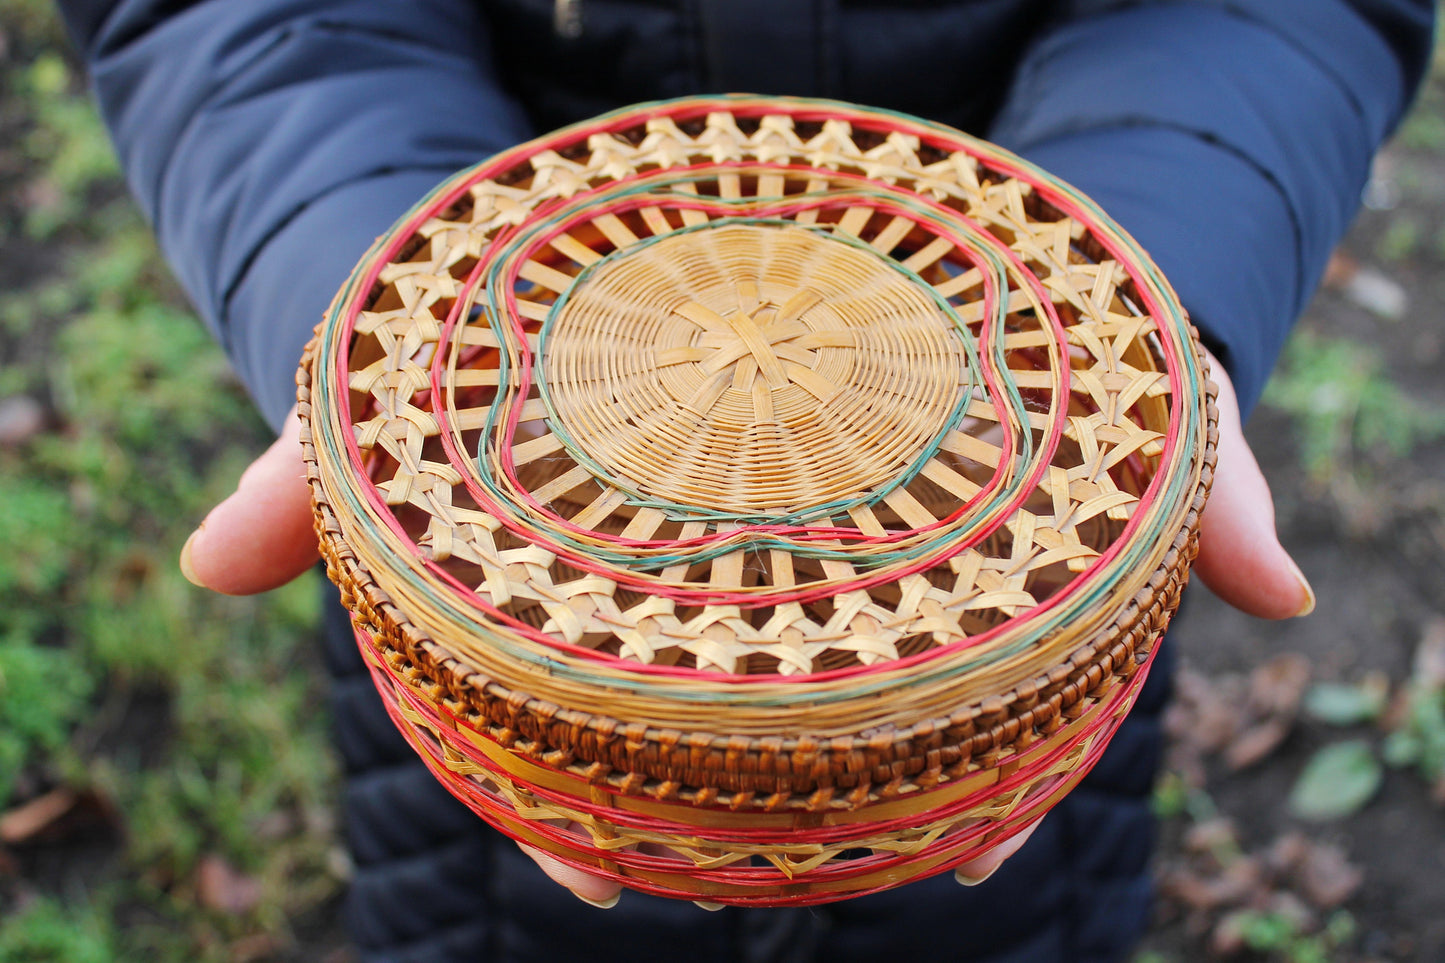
(166, 787)
(166, 790)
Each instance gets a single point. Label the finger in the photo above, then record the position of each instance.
(1240, 557)
(595, 890)
(261, 536)
(975, 871)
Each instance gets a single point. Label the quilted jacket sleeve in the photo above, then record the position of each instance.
(1232, 139)
(268, 145)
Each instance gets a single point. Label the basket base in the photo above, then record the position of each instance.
(752, 859)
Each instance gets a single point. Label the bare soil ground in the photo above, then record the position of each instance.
(1366, 522)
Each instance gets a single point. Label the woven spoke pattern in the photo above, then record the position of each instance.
(661, 445)
(643, 468)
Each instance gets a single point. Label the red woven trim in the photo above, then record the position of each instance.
(822, 884)
(694, 109)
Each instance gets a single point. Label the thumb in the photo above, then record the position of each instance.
(596, 890)
(261, 536)
(977, 870)
(1240, 557)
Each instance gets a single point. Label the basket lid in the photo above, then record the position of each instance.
(757, 406)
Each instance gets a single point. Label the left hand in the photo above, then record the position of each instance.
(1240, 556)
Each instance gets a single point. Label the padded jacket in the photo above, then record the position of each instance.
(269, 141)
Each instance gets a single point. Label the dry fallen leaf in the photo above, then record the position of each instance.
(21, 418)
(1191, 889)
(1277, 686)
(1254, 744)
(1341, 267)
(1205, 715)
(1286, 853)
(1227, 937)
(1247, 726)
(257, 946)
(1429, 667)
(58, 813)
(29, 819)
(225, 889)
(1231, 885)
(1210, 836)
(277, 824)
(1286, 905)
(1327, 876)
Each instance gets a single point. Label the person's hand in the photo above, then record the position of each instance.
(261, 537)
(1240, 557)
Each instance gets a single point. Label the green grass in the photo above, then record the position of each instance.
(47, 931)
(1281, 938)
(147, 429)
(43, 693)
(1350, 418)
(77, 154)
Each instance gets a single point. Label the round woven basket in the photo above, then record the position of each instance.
(753, 500)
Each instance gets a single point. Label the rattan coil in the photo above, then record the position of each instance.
(757, 500)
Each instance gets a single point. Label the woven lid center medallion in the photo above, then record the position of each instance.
(751, 368)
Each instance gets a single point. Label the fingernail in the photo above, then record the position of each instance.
(607, 903)
(188, 569)
(973, 880)
(1304, 583)
(710, 907)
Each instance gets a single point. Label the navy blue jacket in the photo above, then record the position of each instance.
(270, 140)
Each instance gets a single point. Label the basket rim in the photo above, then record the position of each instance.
(1116, 621)
(1161, 303)
(405, 639)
